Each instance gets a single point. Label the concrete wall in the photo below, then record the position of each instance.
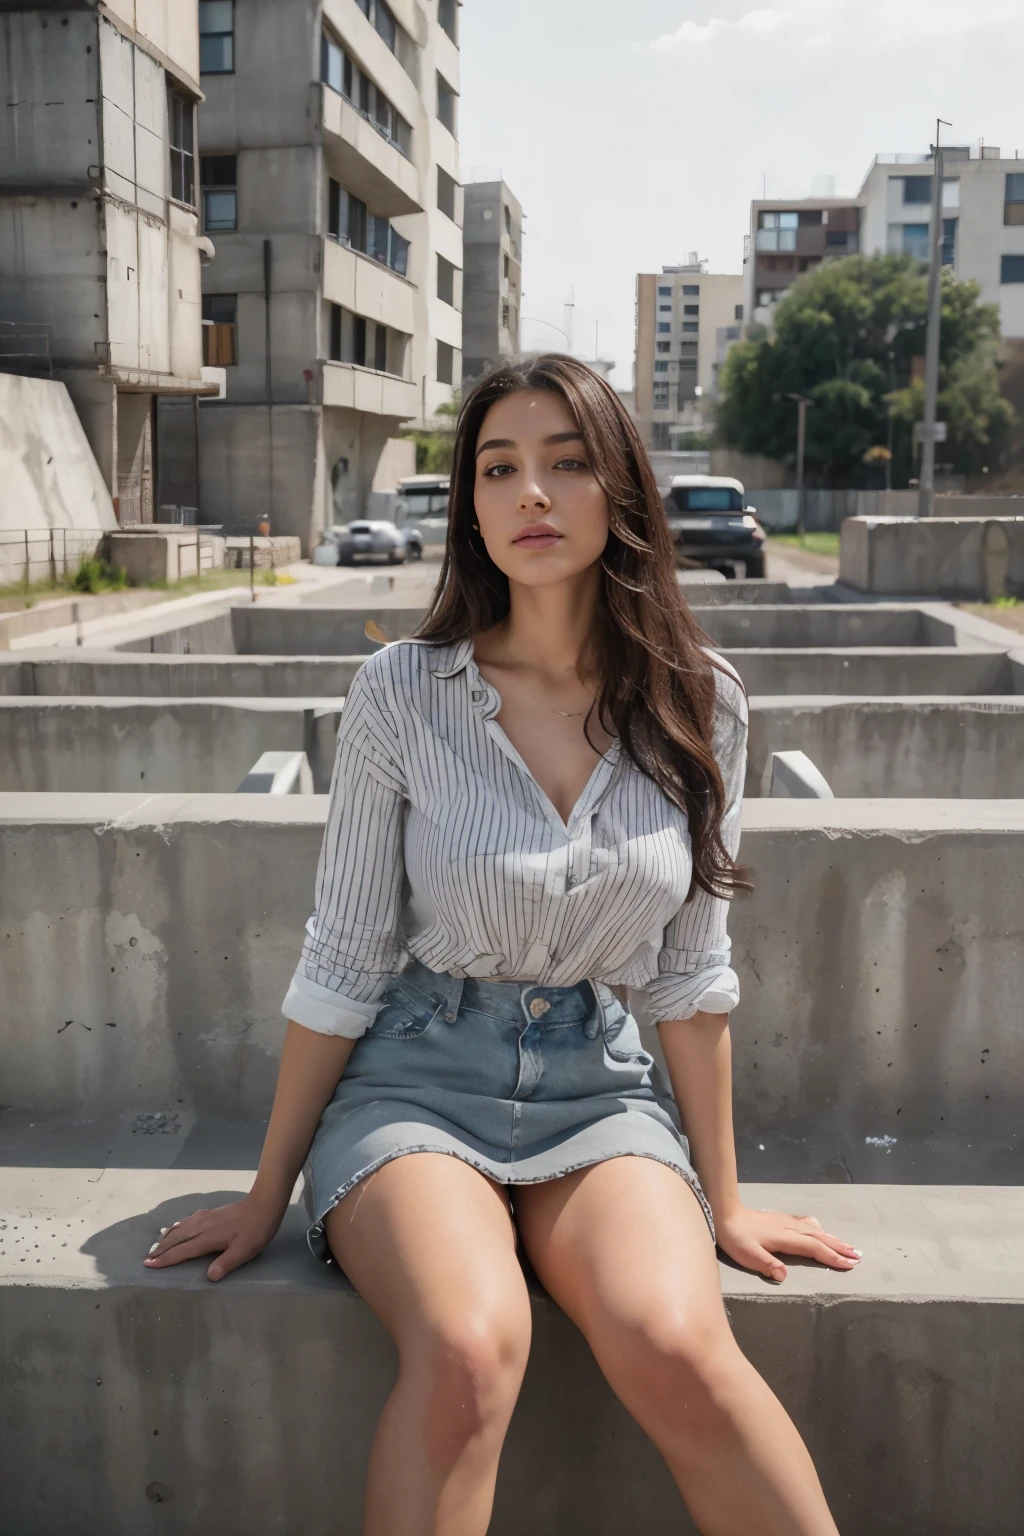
(943, 557)
(116, 1398)
(881, 959)
(895, 747)
(824, 624)
(317, 631)
(486, 341)
(48, 475)
(160, 745)
(122, 675)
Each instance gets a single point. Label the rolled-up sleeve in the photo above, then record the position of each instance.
(353, 941)
(694, 973)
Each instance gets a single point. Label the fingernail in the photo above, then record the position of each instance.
(149, 1261)
(858, 1253)
(154, 1248)
(164, 1231)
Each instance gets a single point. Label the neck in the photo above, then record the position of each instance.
(549, 628)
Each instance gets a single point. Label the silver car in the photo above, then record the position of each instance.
(366, 540)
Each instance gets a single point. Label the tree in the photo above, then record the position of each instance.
(434, 450)
(847, 336)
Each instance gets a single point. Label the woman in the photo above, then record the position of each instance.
(534, 802)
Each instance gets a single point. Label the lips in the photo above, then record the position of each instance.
(537, 536)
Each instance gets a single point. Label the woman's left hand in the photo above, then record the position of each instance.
(755, 1238)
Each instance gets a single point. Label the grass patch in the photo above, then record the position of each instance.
(95, 577)
(812, 543)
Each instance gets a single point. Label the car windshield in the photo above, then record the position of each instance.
(707, 498)
(426, 501)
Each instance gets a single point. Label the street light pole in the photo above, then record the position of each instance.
(802, 402)
(926, 483)
(536, 320)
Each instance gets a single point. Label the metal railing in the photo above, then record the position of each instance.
(47, 554)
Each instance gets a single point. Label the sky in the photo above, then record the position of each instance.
(636, 131)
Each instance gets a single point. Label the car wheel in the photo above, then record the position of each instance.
(755, 568)
(414, 551)
(397, 557)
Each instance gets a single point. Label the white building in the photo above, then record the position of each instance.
(686, 321)
(330, 182)
(983, 228)
(99, 243)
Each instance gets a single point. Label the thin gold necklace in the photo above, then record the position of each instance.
(566, 714)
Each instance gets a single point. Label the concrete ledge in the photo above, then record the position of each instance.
(894, 747)
(160, 1403)
(879, 670)
(309, 631)
(146, 943)
(824, 625)
(953, 557)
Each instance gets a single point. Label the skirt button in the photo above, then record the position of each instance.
(539, 1007)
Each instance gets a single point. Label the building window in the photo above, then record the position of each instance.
(342, 74)
(738, 312)
(1013, 208)
(447, 19)
(220, 197)
(691, 290)
(505, 264)
(377, 13)
(348, 337)
(347, 218)
(445, 363)
(508, 219)
(446, 281)
(445, 109)
(909, 240)
(663, 326)
(380, 349)
(504, 314)
(446, 193)
(663, 346)
(181, 135)
(216, 37)
(1012, 269)
(398, 253)
(777, 231)
(664, 309)
(661, 396)
(660, 367)
(687, 349)
(836, 239)
(664, 293)
(690, 326)
(691, 309)
(917, 189)
(951, 192)
(220, 330)
(949, 242)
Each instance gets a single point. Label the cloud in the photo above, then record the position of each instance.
(829, 21)
(695, 32)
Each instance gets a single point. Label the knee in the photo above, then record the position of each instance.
(468, 1374)
(683, 1378)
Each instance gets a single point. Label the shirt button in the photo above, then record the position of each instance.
(539, 1007)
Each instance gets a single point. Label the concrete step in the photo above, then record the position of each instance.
(146, 943)
(138, 1402)
(872, 670)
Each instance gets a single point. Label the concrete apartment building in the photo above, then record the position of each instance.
(983, 228)
(686, 321)
(100, 249)
(493, 281)
(330, 182)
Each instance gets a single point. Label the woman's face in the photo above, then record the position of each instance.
(542, 514)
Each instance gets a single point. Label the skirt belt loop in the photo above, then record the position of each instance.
(453, 998)
(594, 1020)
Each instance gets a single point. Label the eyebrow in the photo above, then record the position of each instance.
(506, 442)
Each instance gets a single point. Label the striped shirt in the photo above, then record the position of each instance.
(440, 843)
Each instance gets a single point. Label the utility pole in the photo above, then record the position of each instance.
(802, 402)
(926, 483)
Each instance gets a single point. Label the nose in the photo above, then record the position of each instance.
(533, 498)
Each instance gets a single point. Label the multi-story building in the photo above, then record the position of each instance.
(330, 181)
(982, 226)
(493, 281)
(100, 248)
(686, 321)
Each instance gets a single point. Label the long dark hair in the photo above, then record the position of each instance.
(657, 692)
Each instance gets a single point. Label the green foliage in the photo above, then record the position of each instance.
(693, 442)
(434, 450)
(845, 336)
(98, 576)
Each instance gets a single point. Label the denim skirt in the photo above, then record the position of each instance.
(523, 1082)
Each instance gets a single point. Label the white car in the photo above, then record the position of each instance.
(713, 526)
(368, 540)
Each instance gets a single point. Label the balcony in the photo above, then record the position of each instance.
(366, 287)
(365, 161)
(363, 389)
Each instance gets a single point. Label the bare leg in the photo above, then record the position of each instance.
(624, 1249)
(429, 1244)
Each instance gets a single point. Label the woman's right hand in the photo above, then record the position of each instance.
(237, 1232)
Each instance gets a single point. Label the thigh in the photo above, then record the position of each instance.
(428, 1242)
(624, 1249)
